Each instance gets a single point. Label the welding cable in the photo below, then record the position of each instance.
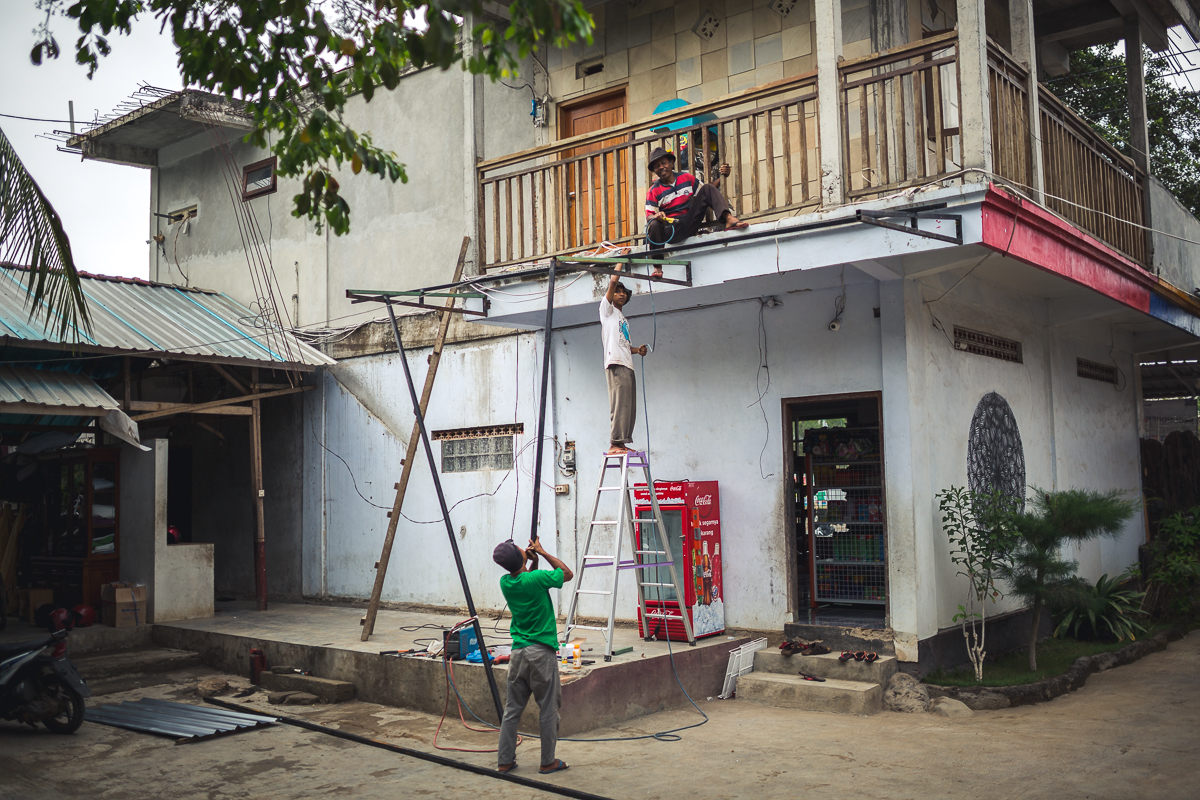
(447, 669)
(406, 751)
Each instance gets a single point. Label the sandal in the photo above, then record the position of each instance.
(817, 649)
(504, 769)
(808, 677)
(559, 766)
(845, 656)
(860, 655)
(791, 648)
(869, 657)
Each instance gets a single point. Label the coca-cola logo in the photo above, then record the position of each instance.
(704, 500)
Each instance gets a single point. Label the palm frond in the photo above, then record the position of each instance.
(32, 236)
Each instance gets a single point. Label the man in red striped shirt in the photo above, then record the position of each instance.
(676, 204)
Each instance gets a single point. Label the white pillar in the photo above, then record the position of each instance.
(1024, 44)
(829, 53)
(1139, 134)
(974, 116)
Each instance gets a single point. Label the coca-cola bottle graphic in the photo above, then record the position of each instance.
(716, 571)
(706, 573)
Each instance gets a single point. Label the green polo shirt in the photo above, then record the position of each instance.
(528, 596)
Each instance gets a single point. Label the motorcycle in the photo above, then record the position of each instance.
(38, 683)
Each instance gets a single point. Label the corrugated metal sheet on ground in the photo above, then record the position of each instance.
(42, 387)
(151, 317)
(176, 720)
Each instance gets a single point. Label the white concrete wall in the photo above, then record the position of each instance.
(403, 235)
(1076, 432)
(486, 383)
(178, 578)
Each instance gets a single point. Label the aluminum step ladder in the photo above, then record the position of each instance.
(622, 526)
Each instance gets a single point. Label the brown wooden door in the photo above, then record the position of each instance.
(597, 186)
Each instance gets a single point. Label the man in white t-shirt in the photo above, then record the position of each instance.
(618, 366)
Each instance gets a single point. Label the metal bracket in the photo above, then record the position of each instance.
(881, 219)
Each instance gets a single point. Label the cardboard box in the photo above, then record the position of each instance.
(124, 604)
(32, 600)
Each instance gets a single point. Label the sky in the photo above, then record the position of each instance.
(103, 206)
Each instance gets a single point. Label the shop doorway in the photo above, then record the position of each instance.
(837, 525)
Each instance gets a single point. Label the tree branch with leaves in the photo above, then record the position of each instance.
(296, 68)
(980, 532)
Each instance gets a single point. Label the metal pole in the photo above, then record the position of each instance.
(541, 427)
(437, 485)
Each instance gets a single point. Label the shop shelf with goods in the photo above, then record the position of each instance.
(78, 547)
(843, 474)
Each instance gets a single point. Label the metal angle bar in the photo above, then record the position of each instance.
(437, 485)
(413, 293)
(607, 271)
(628, 260)
(547, 343)
(373, 299)
(880, 219)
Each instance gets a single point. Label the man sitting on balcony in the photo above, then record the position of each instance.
(676, 204)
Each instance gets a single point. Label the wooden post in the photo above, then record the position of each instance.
(368, 622)
(260, 529)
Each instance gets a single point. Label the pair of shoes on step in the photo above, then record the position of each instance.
(804, 648)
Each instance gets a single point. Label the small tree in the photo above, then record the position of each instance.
(1035, 568)
(979, 529)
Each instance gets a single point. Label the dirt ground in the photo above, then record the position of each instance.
(1130, 733)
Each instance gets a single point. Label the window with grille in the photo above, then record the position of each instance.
(478, 449)
(1096, 372)
(985, 344)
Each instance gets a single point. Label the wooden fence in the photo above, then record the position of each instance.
(578, 192)
(1008, 96)
(1089, 181)
(900, 117)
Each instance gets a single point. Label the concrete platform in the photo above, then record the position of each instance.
(790, 691)
(826, 666)
(325, 640)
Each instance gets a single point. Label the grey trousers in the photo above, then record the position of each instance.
(532, 670)
(622, 403)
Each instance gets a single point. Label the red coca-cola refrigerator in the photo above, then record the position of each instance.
(692, 517)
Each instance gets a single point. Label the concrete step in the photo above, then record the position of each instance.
(327, 690)
(827, 666)
(791, 691)
(837, 638)
(143, 661)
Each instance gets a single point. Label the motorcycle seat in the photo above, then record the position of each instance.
(13, 648)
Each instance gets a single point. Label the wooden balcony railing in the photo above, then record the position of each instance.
(1089, 181)
(899, 120)
(1008, 96)
(900, 116)
(592, 188)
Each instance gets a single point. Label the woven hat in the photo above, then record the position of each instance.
(656, 155)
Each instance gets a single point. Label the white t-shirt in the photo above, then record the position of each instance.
(614, 331)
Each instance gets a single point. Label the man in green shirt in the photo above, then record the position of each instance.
(533, 666)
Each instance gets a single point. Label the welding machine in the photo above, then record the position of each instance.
(460, 643)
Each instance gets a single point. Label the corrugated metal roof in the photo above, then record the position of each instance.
(179, 721)
(139, 316)
(52, 389)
